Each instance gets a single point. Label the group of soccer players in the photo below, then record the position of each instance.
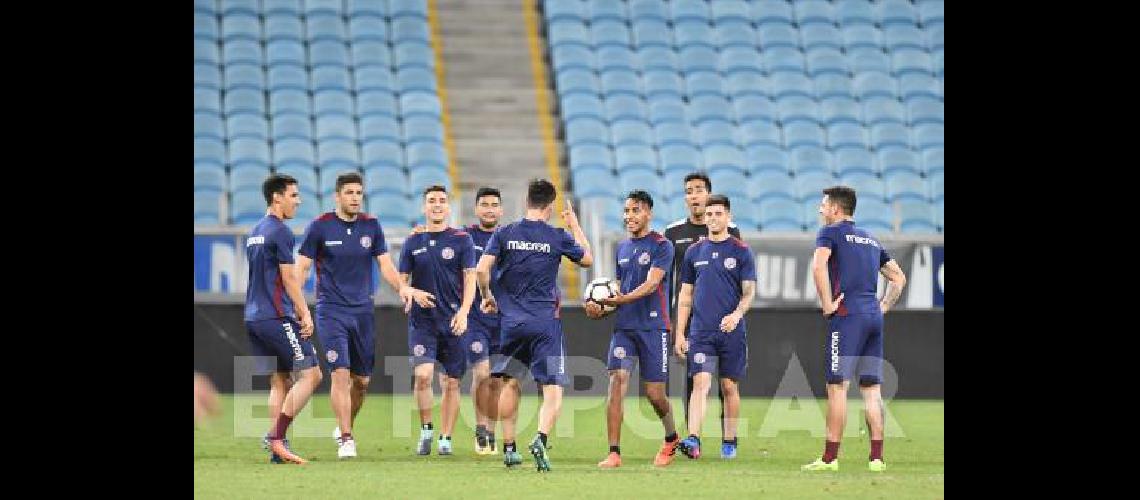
(486, 297)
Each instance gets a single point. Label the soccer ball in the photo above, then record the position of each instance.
(601, 288)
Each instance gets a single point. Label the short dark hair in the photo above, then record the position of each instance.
(700, 175)
(275, 183)
(539, 194)
(642, 196)
(844, 196)
(719, 199)
(348, 178)
(487, 191)
(433, 188)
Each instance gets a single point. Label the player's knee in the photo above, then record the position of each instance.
(729, 388)
(449, 383)
(313, 374)
(422, 382)
(361, 383)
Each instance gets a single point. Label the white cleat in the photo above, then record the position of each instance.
(346, 448)
(336, 434)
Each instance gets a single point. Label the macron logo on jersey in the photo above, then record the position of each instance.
(851, 238)
(528, 246)
(255, 240)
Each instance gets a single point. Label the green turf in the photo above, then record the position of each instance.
(226, 466)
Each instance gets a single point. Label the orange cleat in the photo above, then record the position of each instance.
(613, 460)
(278, 447)
(665, 455)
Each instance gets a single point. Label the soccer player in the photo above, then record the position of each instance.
(526, 255)
(482, 338)
(276, 315)
(683, 233)
(642, 328)
(718, 282)
(343, 243)
(852, 259)
(440, 261)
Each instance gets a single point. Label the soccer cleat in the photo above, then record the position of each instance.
(613, 460)
(491, 449)
(512, 458)
(481, 442)
(278, 448)
(345, 448)
(665, 454)
(876, 465)
(273, 458)
(541, 462)
(691, 447)
(820, 465)
(727, 450)
(336, 435)
(424, 445)
(444, 446)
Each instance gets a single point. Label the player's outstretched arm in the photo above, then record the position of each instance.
(483, 278)
(822, 285)
(896, 280)
(571, 219)
(747, 293)
(684, 307)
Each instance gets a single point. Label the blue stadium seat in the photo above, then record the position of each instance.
(771, 184)
(820, 36)
(812, 218)
(244, 76)
(381, 154)
(736, 58)
(288, 77)
(209, 177)
(724, 11)
(409, 29)
(367, 8)
(929, 135)
(936, 37)
(564, 10)
(376, 102)
(762, 158)
(672, 133)
(385, 179)
(284, 27)
(772, 36)
(703, 83)
(826, 60)
(332, 102)
(592, 183)
(209, 125)
(205, 26)
(862, 37)
(414, 9)
(681, 157)
(368, 29)
(923, 110)
(735, 34)
(248, 207)
(623, 107)
(371, 54)
(254, 152)
(285, 52)
(324, 27)
(420, 103)
(916, 85)
(785, 84)
(241, 27)
(940, 214)
(381, 79)
(810, 185)
(796, 108)
(778, 214)
(754, 107)
(627, 132)
(250, 177)
(665, 109)
(568, 33)
(938, 57)
(868, 85)
(294, 152)
(392, 210)
(831, 85)
(758, 133)
(419, 179)
(328, 53)
(247, 52)
(247, 126)
(641, 179)
(591, 157)
(413, 79)
(867, 60)
(692, 34)
(609, 33)
(587, 131)
(883, 110)
(742, 83)
(772, 12)
(895, 12)
(207, 207)
(617, 81)
(697, 58)
(579, 105)
(905, 186)
(917, 217)
(731, 183)
(833, 110)
(674, 191)
(323, 7)
(933, 160)
(208, 7)
(657, 58)
(421, 129)
(606, 10)
(245, 101)
(615, 57)
(807, 159)
(564, 57)
(337, 154)
(206, 99)
(635, 156)
(854, 12)
(336, 126)
(849, 161)
(875, 216)
(655, 10)
(886, 135)
(711, 132)
(814, 12)
(661, 83)
(783, 59)
(932, 12)
(689, 10)
(289, 101)
(937, 185)
(329, 78)
(899, 37)
(905, 62)
(292, 126)
(866, 186)
(720, 157)
(846, 135)
(206, 52)
(652, 33)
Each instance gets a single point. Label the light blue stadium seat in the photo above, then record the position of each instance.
(206, 52)
(207, 100)
(284, 27)
(285, 52)
(409, 29)
(206, 26)
(929, 135)
(731, 183)
(209, 125)
(814, 12)
(244, 76)
(368, 29)
(591, 157)
(866, 186)
(615, 57)
(609, 33)
(323, 7)
(933, 159)
(846, 135)
(887, 135)
(568, 33)
(288, 77)
(764, 158)
(758, 133)
(809, 159)
(208, 7)
(289, 101)
(771, 12)
(665, 109)
(778, 215)
(209, 177)
(905, 62)
(737, 58)
(919, 85)
(330, 78)
(829, 85)
(754, 107)
(381, 154)
(931, 12)
(580, 105)
(616, 81)
(589, 183)
(392, 210)
(207, 207)
(771, 184)
(420, 103)
(896, 12)
(328, 53)
(922, 110)
(672, 133)
(325, 27)
(656, 10)
(711, 132)
(419, 129)
(634, 157)
(874, 216)
(381, 79)
(681, 157)
(785, 84)
(587, 131)
(861, 36)
(420, 178)
(651, 33)
(248, 152)
(797, 108)
(702, 83)
(742, 83)
(623, 107)
(735, 34)
(657, 58)
(855, 12)
(426, 156)
(247, 126)
(935, 37)
(816, 36)
(823, 61)
(850, 161)
(810, 185)
(661, 83)
(899, 36)
(377, 8)
(248, 207)
(371, 53)
(783, 59)
(883, 110)
(697, 58)
(937, 182)
(209, 150)
(730, 11)
(833, 110)
(335, 126)
(385, 178)
(251, 177)
(413, 79)
(720, 157)
(564, 57)
(376, 102)
(630, 180)
(917, 217)
(868, 60)
(905, 186)
(332, 102)
(625, 132)
(564, 10)
(773, 36)
(811, 216)
(294, 152)
(338, 154)
(868, 85)
(606, 10)
(415, 9)
(241, 27)
(689, 10)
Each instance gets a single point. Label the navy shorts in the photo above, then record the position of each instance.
(536, 344)
(855, 345)
(429, 343)
(480, 342)
(348, 339)
(650, 347)
(725, 354)
(280, 339)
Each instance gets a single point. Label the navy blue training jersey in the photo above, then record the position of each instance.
(635, 256)
(343, 252)
(481, 238)
(269, 245)
(527, 256)
(716, 271)
(436, 262)
(853, 267)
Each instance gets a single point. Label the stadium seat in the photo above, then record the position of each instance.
(624, 107)
(868, 60)
(874, 216)
(657, 58)
(810, 185)
(377, 8)
(809, 159)
(594, 183)
(209, 125)
(917, 218)
(931, 12)
(415, 79)
(247, 208)
(371, 53)
(568, 33)
(681, 157)
(886, 135)
(208, 207)
(207, 100)
(656, 10)
(419, 129)
(575, 106)
(332, 102)
(380, 78)
(392, 210)
(564, 10)
(697, 58)
(731, 183)
(906, 186)
(896, 12)
(766, 12)
(366, 28)
(328, 53)
(866, 186)
(762, 158)
(820, 36)
(854, 12)
(293, 153)
(254, 152)
(615, 57)
(822, 61)
(846, 135)
(797, 108)
(759, 133)
(882, 110)
(903, 36)
(924, 110)
(626, 132)
(709, 107)
(651, 33)
(905, 62)
(785, 84)
(329, 78)
(385, 179)
(641, 179)
(657, 83)
(754, 107)
(242, 126)
(335, 126)
(919, 85)
(414, 9)
(814, 12)
(587, 131)
(244, 76)
(849, 161)
(564, 57)
(324, 27)
(284, 27)
(703, 83)
(833, 110)
(662, 110)
(778, 215)
(376, 102)
(829, 85)
(617, 81)
(868, 85)
(420, 104)
(289, 101)
(689, 10)
(209, 177)
(771, 184)
(933, 159)
(735, 34)
(724, 157)
(937, 186)
(929, 135)
(426, 156)
(285, 52)
(713, 132)
(288, 77)
(742, 83)
(609, 33)
(206, 52)
(241, 27)
(407, 29)
(591, 157)
(635, 157)
(381, 154)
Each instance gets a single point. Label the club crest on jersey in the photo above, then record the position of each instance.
(331, 356)
(699, 357)
(447, 253)
(366, 241)
(729, 263)
(644, 259)
(476, 347)
(716, 254)
(619, 352)
(418, 350)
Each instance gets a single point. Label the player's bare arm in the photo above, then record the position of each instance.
(896, 280)
(652, 281)
(422, 298)
(684, 307)
(406, 292)
(747, 293)
(302, 265)
(459, 322)
(822, 284)
(289, 277)
(483, 277)
(579, 236)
